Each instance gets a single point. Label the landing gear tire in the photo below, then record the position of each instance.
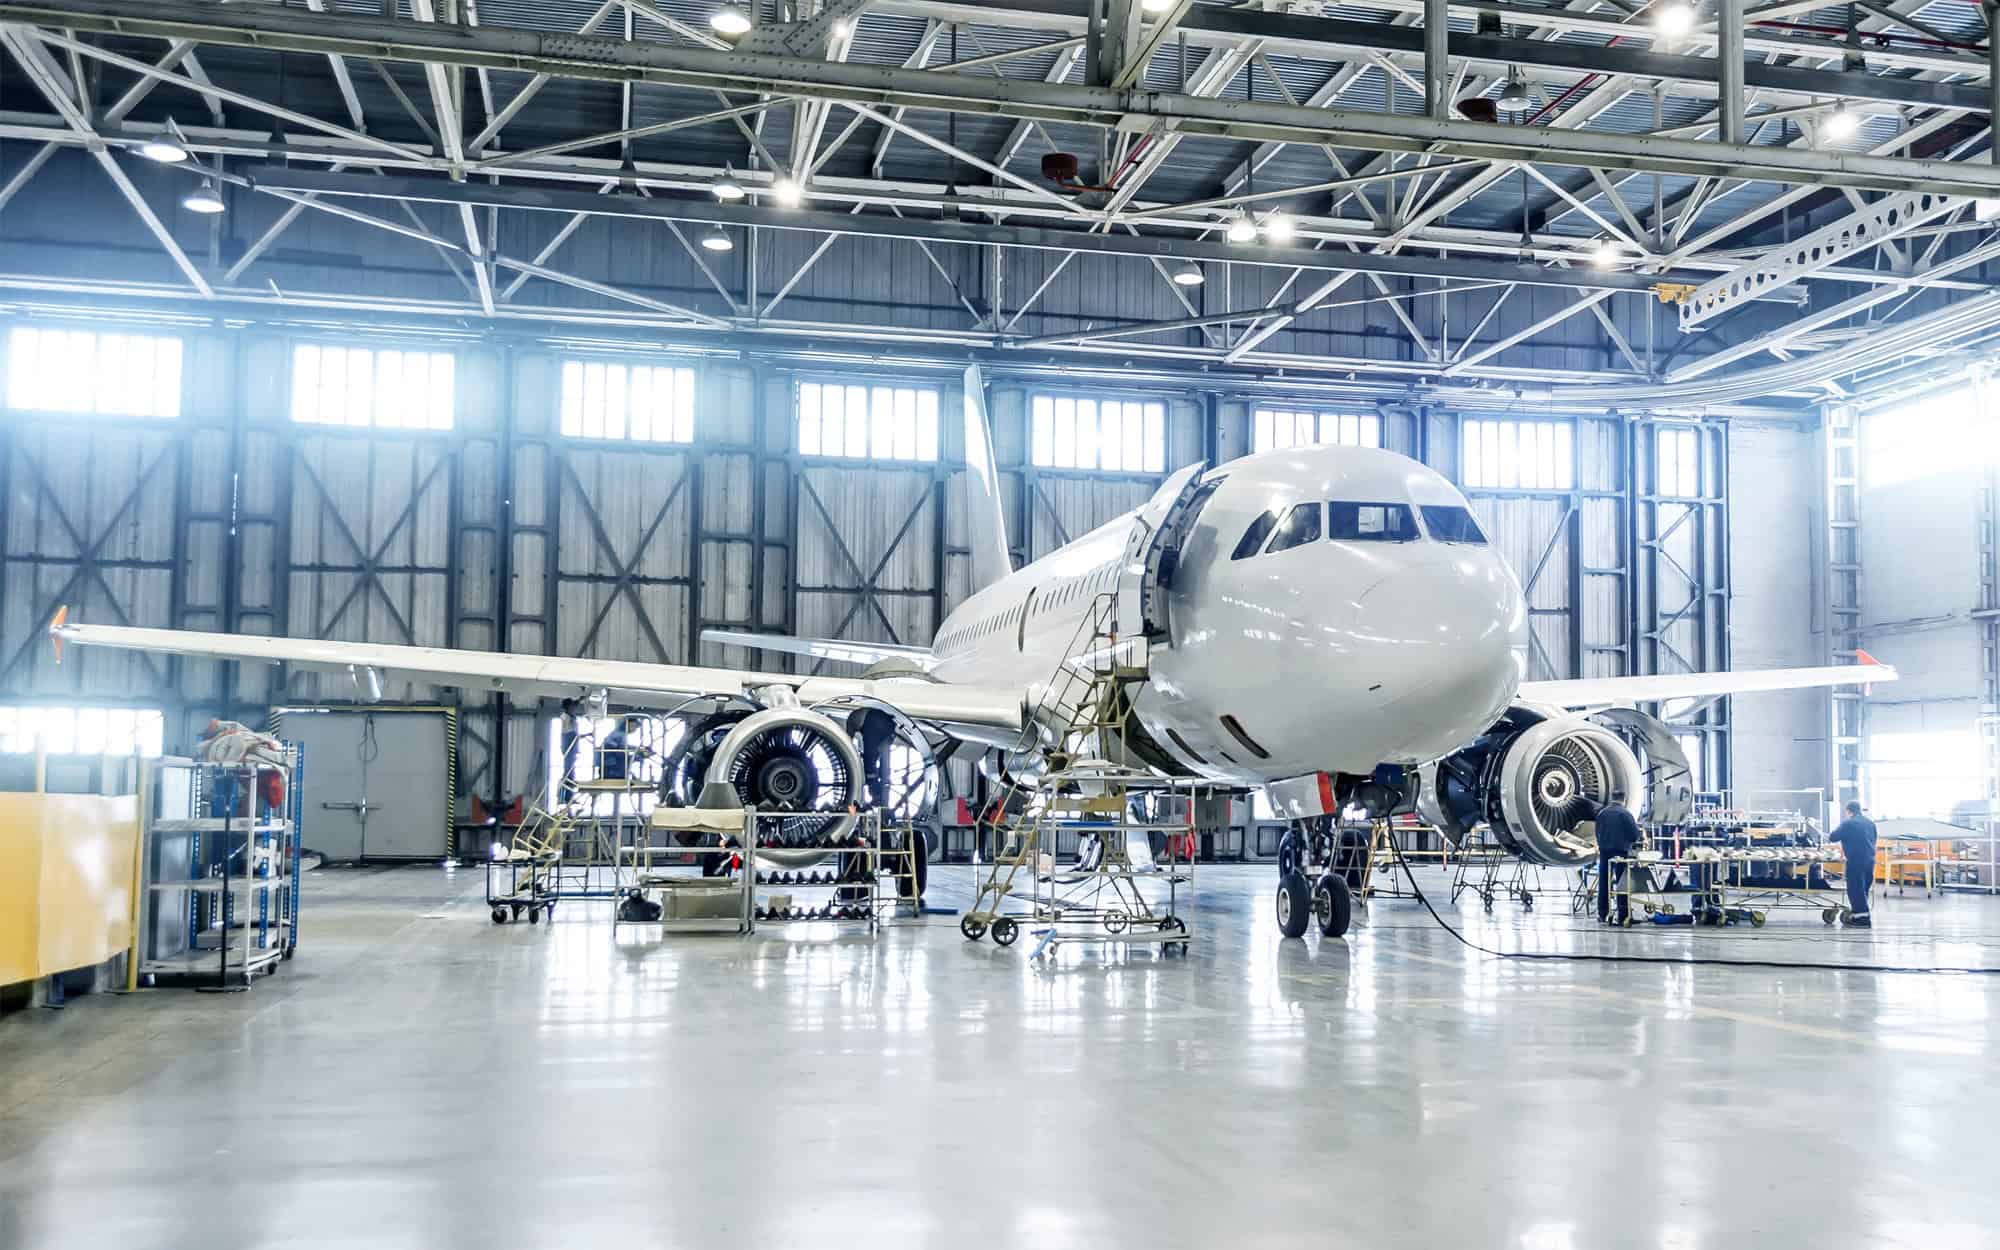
(1333, 905)
(1294, 904)
(972, 929)
(920, 869)
(1005, 930)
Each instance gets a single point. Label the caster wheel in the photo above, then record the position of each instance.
(1527, 902)
(534, 915)
(972, 929)
(500, 916)
(1333, 905)
(1005, 930)
(1756, 919)
(1830, 915)
(1116, 922)
(517, 915)
(1174, 923)
(1294, 905)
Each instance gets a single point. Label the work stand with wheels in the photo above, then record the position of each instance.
(1085, 783)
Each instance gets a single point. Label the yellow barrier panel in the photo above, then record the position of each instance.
(66, 881)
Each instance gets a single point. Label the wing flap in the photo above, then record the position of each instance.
(1588, 692)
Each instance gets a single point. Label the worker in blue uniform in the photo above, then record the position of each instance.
(1618, 837)
(1856, 836)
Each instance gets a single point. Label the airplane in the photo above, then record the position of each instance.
(1327, 623)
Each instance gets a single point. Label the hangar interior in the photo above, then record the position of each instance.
(579, 331)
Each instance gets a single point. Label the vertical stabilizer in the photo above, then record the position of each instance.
(987, 536)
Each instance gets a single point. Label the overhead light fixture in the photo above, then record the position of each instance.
(788, 192)
(1189, 274)
(843, 28)
(717, 240)
(1279, 227)
(1606, 254)
(1242, 229)
(203, 199)
(1513, 99)
(1674, 18)
(726, 187)
(1842, 123)
(165, 149)
(729, 20)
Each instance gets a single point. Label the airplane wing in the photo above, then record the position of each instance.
(1596, 692)
(624, 681)
(820, 648)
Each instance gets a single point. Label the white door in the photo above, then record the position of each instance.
(376, 781)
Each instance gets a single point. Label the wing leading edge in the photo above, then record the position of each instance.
(820, 648)
(1595, 692)
(625, 681)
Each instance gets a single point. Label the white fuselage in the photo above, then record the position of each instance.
(1396, 635)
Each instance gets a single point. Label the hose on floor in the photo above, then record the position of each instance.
(1697, 961)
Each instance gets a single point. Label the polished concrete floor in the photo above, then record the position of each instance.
(421, 1078)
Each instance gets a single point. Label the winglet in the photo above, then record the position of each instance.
(55, 630)
(1862, 657)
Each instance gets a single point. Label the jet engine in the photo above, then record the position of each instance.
(1532, 779)
(798, 761)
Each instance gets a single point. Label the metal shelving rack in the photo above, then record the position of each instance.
(221, 892)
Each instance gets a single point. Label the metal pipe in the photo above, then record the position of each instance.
(1729, 68)
(1993, 77)
(1437, 58)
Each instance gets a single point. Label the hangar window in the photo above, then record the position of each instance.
(1253, 538)
(82, 730)
(1517, 455)
(1301, 527)
(1677, 461)
(132, 375)
(640, 403)
(1370, 523)
(1112, 435)
(1271, 428)
(588, 758)
(868, 422)
(359, 386)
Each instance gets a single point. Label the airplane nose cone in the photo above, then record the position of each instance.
(1448, 637)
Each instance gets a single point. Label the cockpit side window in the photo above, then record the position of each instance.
(1253, 538)
(1370, 523)
(1301, 526)
(1452, 524)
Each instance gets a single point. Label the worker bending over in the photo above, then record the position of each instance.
(1617, 838)
(1856, 836)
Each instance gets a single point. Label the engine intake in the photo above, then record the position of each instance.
(793, 760)
(1551, 777)
(1534, 781)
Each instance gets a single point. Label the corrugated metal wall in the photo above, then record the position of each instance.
(502, 533)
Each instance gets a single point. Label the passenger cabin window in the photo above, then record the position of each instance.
(1301, 526)
(1253, 538)
(1452, 524)
(1370, 523)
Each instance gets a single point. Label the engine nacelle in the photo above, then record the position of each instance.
(792, 760)
(1533, 780)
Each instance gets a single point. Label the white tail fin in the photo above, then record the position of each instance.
(987, 535)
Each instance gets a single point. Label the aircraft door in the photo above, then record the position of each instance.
(1152, 553)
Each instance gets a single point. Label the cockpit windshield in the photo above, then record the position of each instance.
(1370, 523)
(1449, 523)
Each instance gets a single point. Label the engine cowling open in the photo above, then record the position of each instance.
(1533, 780)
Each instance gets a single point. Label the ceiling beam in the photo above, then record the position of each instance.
(887, 86)
(441, 191)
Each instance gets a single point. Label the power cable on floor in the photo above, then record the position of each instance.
(1684, 961)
